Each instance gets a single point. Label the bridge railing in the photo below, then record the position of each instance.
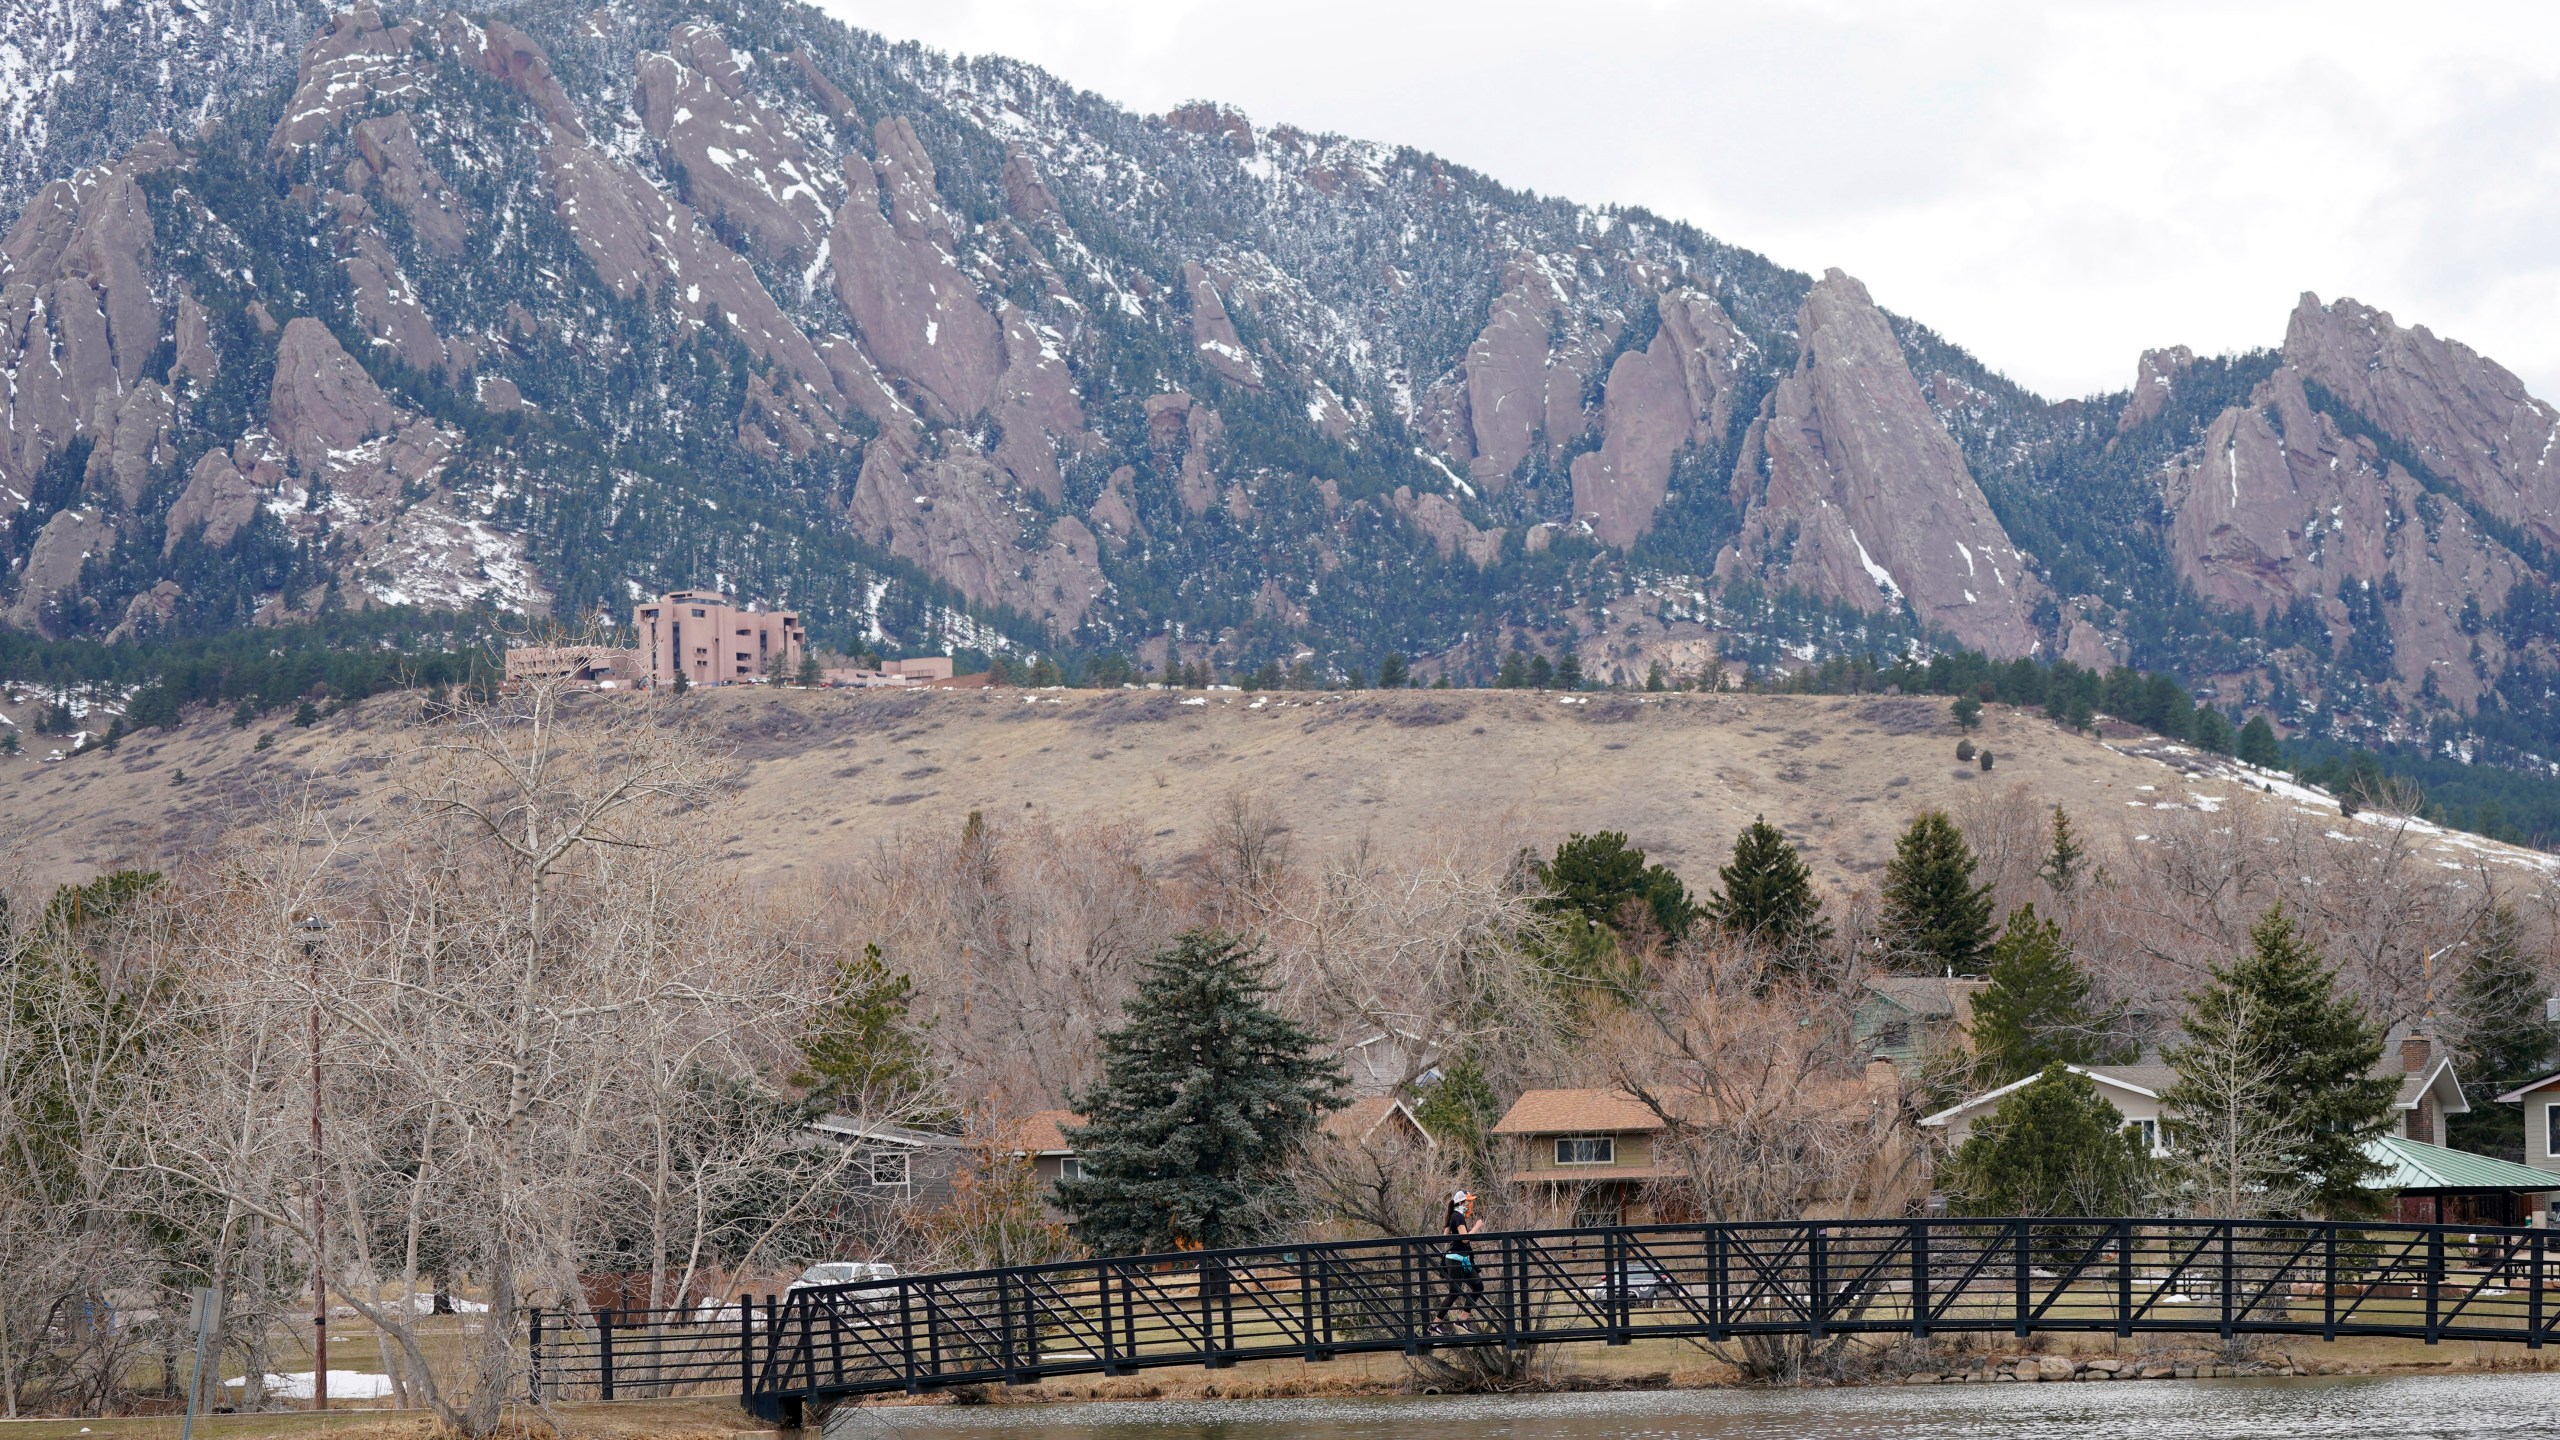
(631, 1354)
(1708, 1281)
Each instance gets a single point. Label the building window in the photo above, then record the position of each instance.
(889, 1167)
(1587, 1150)
(697, 614)
(1893, 1035)
(2551, 1129)
(1070, 1168)
(2149, 1130)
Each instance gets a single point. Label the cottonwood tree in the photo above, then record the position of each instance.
(85, 1007)
(1418, 958)
(1023, 937)
(550, 1029)
(1767, 1112)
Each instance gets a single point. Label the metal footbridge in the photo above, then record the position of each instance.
(1700, 1282)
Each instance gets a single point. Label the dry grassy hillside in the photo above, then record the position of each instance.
(825, 776)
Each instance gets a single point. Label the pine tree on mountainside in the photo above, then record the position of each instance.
(2211, 732)
(2313, 1050)
(2054, 1148)
(2066, 863)
(2258, 744)
(1938, 918)
(1206, 1096)
(2037, 1011)
(2500, 1035)
(1765, 892)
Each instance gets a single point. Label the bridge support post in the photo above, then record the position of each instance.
(1515, 1291)
(2329, 1278)
(2435, 1283)
(907, 1336)
(1817, 1268)
(2124, 1278)
(2533, 1295)
(1613, 1269)
(1414, 1313)
(1719, 1283)
(1314, 1307)
(2018, 1244)
(2230, 1272)
(1919, 1279)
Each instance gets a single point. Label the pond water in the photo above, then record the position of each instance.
(2382, 1408)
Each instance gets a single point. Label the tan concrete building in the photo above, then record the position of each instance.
(600, 667)
(712, 641)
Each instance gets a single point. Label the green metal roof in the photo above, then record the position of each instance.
(2416, 1165)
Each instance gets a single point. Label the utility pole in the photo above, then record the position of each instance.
(313, 928)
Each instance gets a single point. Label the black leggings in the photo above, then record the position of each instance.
(1466, 1287)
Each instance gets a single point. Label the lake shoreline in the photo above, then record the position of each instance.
(1346, 1379)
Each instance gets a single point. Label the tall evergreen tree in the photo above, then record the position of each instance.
(2037, 1010)
(860, 1055)
(1932, 908)
(2258, 744)
(2500, 1037)
(2055, 1147)
(2066, 863)
(1595, 876)
(1460, 1109)
(1206, 1096)
(1766, 892)
(2313, 1051)
(2211, 731)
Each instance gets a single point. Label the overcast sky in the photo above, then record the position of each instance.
(2056, 186)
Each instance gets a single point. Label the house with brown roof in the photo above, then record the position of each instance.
(1379, 1118)
(1041, 1138)
(1587, 1153)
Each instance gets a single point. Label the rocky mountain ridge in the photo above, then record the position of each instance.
(544, 307)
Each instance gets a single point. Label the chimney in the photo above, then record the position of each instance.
(2415, 1048)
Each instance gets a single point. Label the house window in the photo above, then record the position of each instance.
(697, 615)
(1070, 1168)
(889, 1167)
(1587, 1150)
(2551, 1129)
(1893, 1034)
(2149, 1130)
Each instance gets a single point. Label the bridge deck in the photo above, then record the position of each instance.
(1708, 1281)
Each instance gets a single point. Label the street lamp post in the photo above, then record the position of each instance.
(313, 928)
